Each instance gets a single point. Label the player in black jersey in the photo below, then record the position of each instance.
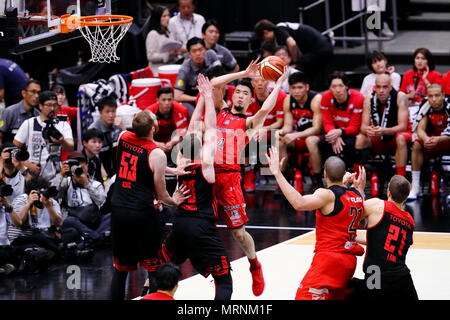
(194, 234)
(135, 225)
(302, 121)
(389, 236)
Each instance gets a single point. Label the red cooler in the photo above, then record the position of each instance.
(144, 91)
(169, 72)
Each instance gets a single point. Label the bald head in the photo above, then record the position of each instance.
(334, 169)
(383, 86)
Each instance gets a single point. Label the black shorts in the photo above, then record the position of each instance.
(136, 239)
(197, 239)
(347, 154)
(393, 288)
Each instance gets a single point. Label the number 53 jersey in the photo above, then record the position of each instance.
(389, 240)
(134, 185)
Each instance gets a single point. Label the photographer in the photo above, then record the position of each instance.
(82, 196)
(43, 136)
(35, 218)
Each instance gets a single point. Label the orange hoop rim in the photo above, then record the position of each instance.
(90, 21)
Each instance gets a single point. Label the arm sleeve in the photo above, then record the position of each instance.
(355, 120)
(4, 121)
(211, 59)
(97, 193)
(182, 78)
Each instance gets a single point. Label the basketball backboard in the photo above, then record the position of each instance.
(39, 20)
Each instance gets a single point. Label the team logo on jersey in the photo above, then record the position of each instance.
(235, 215)
(226, 122)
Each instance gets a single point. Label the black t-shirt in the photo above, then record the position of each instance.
(308, 39)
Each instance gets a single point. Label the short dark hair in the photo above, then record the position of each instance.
(428, 56)
(108, 101)
(92, 134)
(338, 75)
(142, 124)
(268, 46)
(191, 147)
(167, 276)
(193, 41)
(245, 82)
(46, 96)
(194, 2)
(375, 56)
(399, 188)
(215, 72)
(31, 81)
(155, 20)
(164, 90)
(57, 88)
(262, 25)
(36, 183)
(335, 169)
(297, 77)
(208, 23)
(278, 48)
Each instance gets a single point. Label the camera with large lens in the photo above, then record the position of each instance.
(5, 190)
(20, 154)
(48, 193)
(50, 129)
(75, 168)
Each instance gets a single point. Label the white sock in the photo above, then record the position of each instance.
(415, 178)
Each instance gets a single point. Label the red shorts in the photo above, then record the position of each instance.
(440, 148)
(381, 146)
(229, 202)
(300, 145)
(327, 277)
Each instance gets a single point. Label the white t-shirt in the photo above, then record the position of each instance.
(3, 228)
(369, 82)
(183, 30)
(17, 182)
(30, 133)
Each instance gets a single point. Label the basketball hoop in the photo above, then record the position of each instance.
(103, 32)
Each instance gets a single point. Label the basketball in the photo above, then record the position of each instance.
(272, 68)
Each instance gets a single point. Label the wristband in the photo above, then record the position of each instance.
(343, 132)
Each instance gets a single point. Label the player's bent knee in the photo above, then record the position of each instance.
(239, 234)
(224, 286)
(400, 140)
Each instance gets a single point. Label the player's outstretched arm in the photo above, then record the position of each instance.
(251, 71)
(257, 120)
(319, 199)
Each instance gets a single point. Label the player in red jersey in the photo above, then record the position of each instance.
(389, 236)
(302, 122)
(233, 134)
(433, 133)
(338, 212)
(385, 125)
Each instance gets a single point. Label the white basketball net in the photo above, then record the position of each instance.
(103, 40)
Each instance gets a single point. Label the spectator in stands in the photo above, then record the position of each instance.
(167, 276)
(378, 64)
(416, 81)
(273, 121)
(186, 24)
(310, 50)
(34, 216)
(433, 133)
(44, 136)
(283, 53)
(92, 145)
(159, 33)
(341, 113)
(12, 80)
(445, 83)
(110, 128)
(199, 61)
(302, 120)
(385, 125)
(82, 196)
(211, 35)
(173, 119)
(13, 116)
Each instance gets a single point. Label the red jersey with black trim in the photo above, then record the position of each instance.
(134, 185)
(302, 115)
(336, 232)
(228, 96)
(413, 81)
(177, 119)
(277, 111)
(437, 121)
(232, 137)
(389, 240)
(345, 116)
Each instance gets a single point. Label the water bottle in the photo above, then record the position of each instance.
(434, 183)
(374, 185)
(298, 181)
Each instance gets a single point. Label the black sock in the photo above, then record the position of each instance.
(224, 287)
(118, 284)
